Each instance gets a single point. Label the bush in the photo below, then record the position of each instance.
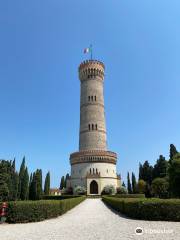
(147, 209)
(108, 190)
(130, 195)
(141, 186)
(58, 197)
(79, 190)
(121, 190)
(160, 187)
(34, 211)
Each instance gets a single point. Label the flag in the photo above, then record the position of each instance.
(87, 50)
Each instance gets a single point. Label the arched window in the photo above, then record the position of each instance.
(95, 98)
(89, 127)
(90, 170)
(96, 126)
(93, 170)
(91, 98)
(92, 126)
(96, 171)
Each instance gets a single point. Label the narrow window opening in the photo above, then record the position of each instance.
(92, 126)
(95, 98)
(93, 170)
(89, 127)
(90, 170)
(96, 126)
(91, 98)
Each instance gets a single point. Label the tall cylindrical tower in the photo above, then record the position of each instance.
(93, 166)
(92, 120)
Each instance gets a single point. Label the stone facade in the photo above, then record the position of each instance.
(93, 166)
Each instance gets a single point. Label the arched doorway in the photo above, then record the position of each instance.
(93, 187)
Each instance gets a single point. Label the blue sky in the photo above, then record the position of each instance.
(41, 46)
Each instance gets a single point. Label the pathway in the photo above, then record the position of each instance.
(91, 220)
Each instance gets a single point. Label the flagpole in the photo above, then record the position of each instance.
(91, 50)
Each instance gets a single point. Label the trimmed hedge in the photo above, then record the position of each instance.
(34, 211)
(129, 195)
(146, 209)
(59, 197)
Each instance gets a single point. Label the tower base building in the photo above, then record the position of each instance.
(93, 166)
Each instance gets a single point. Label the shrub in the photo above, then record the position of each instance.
(130, 195)
(121, 190)
(141, 186)
(33, 211)
(69, 191)
(58, 197)
(160, 187)
(108, 190)
(79, 190)
(147, 209)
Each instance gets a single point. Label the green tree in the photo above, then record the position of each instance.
(123, 184)
(4, 190)
(145, 172)
(35, 187)
(47, 184)
(38, 184)
(66, 178)
(160, 168)
(25, 185)
(173, 151)
(15, 181)
(62, 184)
(174, 175)
(134, 184)
(141, 186)
(21, 177)
(160, 187)
(129, 184)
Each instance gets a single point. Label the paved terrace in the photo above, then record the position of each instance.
(91, 220)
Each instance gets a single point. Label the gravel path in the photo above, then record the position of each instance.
(91, 220)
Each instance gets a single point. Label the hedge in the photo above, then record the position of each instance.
(59, 197)
(146, 209)
(34, 211)
(129, 195)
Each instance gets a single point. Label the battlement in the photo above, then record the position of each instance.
(91, 69)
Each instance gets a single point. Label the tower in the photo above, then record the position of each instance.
(93, 166)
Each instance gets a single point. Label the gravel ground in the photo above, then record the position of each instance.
(91, 220)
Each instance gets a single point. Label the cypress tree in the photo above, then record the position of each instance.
(38, 184)
(173, 151)
(47, 184)
(25, 185)
(134, 184)
(66, 178)
(62, 184)
(15, 181)
(145, 172)
(160, 168)
(32, 187)
(21, 176)
(123, 184)
(129, 184)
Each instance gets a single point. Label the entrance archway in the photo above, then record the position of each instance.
(93, 187)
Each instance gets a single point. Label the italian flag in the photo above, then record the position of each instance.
(87, 50)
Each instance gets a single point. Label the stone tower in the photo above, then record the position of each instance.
(92, 167)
